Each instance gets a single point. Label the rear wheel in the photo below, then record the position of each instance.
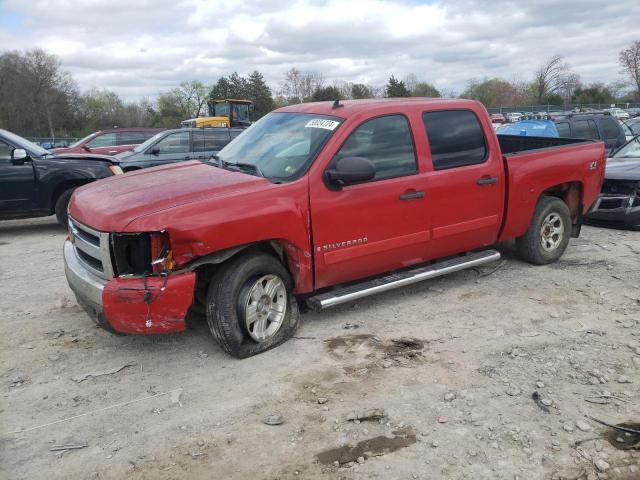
(548, 234)
(250, 305)
(61, 206)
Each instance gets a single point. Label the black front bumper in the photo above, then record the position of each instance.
(615, 210)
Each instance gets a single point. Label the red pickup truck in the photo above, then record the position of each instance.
(322, 203)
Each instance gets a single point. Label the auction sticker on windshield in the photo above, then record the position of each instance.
(321, 123)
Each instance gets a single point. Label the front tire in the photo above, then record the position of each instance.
(61, 206)
(250, 305)
(548, 234)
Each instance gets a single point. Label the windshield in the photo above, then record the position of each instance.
(143, 146)
(25, 144)
(630, 150)
(281, 145)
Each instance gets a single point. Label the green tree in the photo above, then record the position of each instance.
(594, 93)
(260, 94)
(423, 89)
(494, 92)
(396, 88)
(360, 90)
(326, 93)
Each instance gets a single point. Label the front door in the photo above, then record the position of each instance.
(175, 147)
(17, 182)
(377, 226)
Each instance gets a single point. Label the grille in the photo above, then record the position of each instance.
(92, 249)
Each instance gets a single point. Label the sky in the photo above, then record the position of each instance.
(140, 48)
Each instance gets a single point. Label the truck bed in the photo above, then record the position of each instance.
(514, 144)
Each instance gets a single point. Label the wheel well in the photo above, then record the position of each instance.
(210, 264)
(571, 194)
(60, 189)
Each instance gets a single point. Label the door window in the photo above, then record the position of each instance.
(585, 129)
(106, 140)
(610, 128)
(130, 138)
(5, 152)
(174, 143)
(455, 137)
(386, 142)
(563, 129)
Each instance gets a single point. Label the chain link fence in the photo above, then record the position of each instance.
(561, 108)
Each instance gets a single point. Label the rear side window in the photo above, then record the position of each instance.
(455, 137)
(106, 140)
(610, 128)
(385, 141)
(130, 138)
(563, 129)
(210, 139)
(585, 129)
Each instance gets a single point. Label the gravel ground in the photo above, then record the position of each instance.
(485, 373)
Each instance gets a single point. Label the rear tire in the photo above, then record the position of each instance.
(548, 234)
(61, 206)
(250, 305)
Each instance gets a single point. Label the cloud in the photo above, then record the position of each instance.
(141, 47)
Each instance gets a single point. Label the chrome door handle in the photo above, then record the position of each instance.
(412, 195)
(487, 180)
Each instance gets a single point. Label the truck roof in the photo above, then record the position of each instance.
(352, 107)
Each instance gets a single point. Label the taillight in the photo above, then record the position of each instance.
(161, 256)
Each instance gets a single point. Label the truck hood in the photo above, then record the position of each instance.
(112, 204)
(622, 169)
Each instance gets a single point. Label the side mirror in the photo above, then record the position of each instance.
(86, 148)
(350, 170)
(155, 151)
(19, 156)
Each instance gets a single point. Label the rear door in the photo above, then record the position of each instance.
(611, 133)
(465, 190)
(376, 226)
(209, 141)
(17, 182)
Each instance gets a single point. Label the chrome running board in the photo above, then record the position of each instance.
(395, 280)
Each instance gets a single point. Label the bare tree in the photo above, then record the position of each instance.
(298, 87)
(550, 77)
(630, 62)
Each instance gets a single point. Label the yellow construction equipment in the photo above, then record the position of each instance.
(223, 113)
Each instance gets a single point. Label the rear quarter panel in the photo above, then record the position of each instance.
(530, 174)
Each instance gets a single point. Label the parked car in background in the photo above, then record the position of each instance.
(532, 128)
(633, 112)
(326, 202)
(619, 203)
(596, 126)
(618, 113)
(36, 183)
(178, 145)
(631, 128)
(513, 117)
(498, 118)
(110, 141)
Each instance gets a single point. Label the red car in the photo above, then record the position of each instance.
(498, 118)
(321, 203)
(110, 141)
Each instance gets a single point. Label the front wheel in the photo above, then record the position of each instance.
(61, 206)
(250, 305)
(548, 234)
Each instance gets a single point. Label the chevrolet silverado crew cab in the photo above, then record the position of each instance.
(321, 203)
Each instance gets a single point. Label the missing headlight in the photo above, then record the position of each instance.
(131, 253)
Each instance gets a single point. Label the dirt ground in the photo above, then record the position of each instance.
(485, 373)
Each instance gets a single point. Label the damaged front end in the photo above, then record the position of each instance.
(125, 281)
(618, 205)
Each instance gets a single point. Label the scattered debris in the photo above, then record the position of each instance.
(175, 396)
(601, 465)
(536, 398)
(322, 400)
(110, 371)
(367, 415)
(273, 419)
(65, 447)
(18, 382)
(449, 397)
(583, 426)
(349, 326)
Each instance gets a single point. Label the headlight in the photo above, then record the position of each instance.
(142, 253)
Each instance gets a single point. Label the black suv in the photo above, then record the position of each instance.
(36, 183)
(597, 126)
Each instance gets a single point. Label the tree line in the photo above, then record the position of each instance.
(39, 98)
